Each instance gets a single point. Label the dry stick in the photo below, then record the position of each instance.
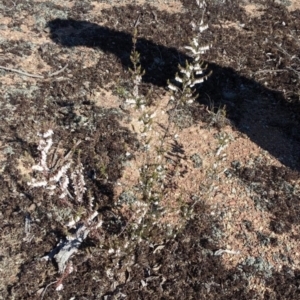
(22, 73)
(59, 71)
(269, 71)
(33, 75)
(137, 22)
(286, 53)
(278, 71)
(43, 294)
(62, 160)
(297, 72)
(155, 16)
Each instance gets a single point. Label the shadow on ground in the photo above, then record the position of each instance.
(263, 114)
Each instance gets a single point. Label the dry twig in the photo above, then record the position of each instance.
(34, 75)
(269, 71)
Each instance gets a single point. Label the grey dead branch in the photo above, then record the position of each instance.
(66, 248)
(34, 75)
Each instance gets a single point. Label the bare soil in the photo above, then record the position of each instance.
(228, 223)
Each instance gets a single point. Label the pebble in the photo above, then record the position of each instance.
(32, 207)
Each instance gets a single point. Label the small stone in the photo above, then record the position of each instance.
(32, 207)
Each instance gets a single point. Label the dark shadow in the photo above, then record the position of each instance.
(264, 115)
(159, 62)
(245, 99)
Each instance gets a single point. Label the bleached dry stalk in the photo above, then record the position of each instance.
(55, 175)
(34, 75)
(193, 73)
(65, 248)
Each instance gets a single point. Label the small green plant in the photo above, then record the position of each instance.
(154, 177)
(136, 76)
(151, 172)
(120, 90)
(216, 116)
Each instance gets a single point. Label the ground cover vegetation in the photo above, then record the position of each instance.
(105, 195)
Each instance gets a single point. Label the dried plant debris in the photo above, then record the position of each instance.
(66, 248)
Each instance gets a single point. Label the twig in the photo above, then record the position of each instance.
(269, 71)
(278, 71)
(22, 73)
(59, 71)
(155, 16)
(43, 294)
(221, 251)
(297, 72)
(137, 22)
(64, 159)
(286, 53)
(33, 75)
